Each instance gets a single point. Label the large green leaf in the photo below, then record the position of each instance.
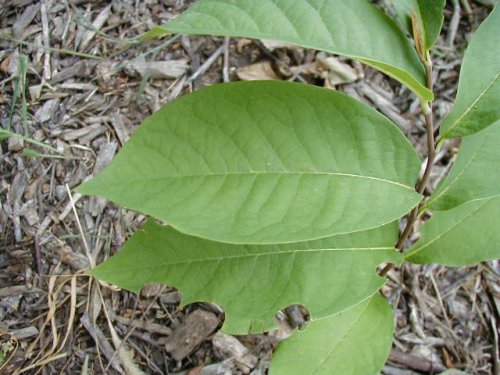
(429, 15)
(475, 173)
(265, 162)
(477, 104)
(463, 235)
(355, 341)
(253, 282)
(351, 28)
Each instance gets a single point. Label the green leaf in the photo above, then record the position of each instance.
(463, 235)
(4, 134)
(474, 175)
(476, 106)
(355, 29)
(355, 341)
(264, 162)
(253, 282)
(429, 15)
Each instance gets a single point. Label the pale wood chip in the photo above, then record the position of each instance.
(85, 135)
(119, 122)
(103, 344)
(25, 333)
(15, 144)
(336, 71)
(259, 71)
(160, 69)
(231, 347)
(106, 154)
(98, 23)
(76, 260)
(17, 290)
(47, 111)
(82, 68)
(25, 19)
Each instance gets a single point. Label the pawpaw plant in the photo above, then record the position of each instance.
(278, 193)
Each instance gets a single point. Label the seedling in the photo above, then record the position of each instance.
(279, 193)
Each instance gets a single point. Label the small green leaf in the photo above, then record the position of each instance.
(474, 175)
(429, 14)
(355, 29)
(265, 162)
(476, 106)
(355, 341)
(253, 282)
(4, 134)
(463, 235)
(432, 15)
(30, 153)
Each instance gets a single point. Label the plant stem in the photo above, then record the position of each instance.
(412, 217)
(420, 188)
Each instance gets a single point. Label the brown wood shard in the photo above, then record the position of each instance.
(191, 333)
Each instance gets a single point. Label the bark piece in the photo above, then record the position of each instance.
(192, 332)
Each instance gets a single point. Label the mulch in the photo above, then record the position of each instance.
(73, 90)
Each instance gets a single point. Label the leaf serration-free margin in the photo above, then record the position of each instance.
(264, 162)
(355, 341)
(252, 282)
(355, 29)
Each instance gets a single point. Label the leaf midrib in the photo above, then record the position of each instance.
(469, 108)
(452, 227)
(255, 255)
(224, 174)
(436, 197)
(347, 332)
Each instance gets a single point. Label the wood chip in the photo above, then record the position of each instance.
(385, 106)
(106, 154)
(160, 69)
(81, 68)
(336, 71)
(414, 362)
(25, 333)
(15, 143)
(85, 135)
(197, 327)
(259, 71)
(98, 23)
(231, 347)
(25, 19)
(103, 344)
(76, 260)
(121, 125)
(47, 111)
(17, 290)
(271, 45)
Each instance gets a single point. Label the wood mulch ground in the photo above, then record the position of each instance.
(73, 91)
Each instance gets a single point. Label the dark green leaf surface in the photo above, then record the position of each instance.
(264, 162)
(463, 235)
(431, 12)
(355, 341)
(475, 174)
(429, 15)
(477, 104)
(351, 28)
(253, 282)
